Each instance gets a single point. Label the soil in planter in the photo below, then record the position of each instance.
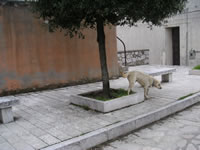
(115, 93)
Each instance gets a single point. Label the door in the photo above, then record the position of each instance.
(176, 45)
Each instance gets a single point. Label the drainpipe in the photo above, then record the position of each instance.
(124, 49)
(187, 61)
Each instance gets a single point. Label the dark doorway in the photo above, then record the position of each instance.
(176, 45)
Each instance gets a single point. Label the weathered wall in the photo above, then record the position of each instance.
(31, 56)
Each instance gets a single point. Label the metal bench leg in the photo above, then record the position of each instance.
(167, 77)
(6, 115)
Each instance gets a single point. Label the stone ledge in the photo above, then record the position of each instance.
(162, 72)
(8, 101)
(122, 128)
(107, 106)
(194, 72)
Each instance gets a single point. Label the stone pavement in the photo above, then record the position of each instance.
(178, 132)
(46, 118)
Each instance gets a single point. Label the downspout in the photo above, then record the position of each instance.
(124, 49)
(187, 61)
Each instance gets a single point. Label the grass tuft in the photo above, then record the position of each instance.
(183, 97)
(197, 67)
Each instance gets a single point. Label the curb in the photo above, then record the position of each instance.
(105, 134)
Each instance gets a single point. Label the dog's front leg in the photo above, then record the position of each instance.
(130, 87)
(146, 90)
(131, 80)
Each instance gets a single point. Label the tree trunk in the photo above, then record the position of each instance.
(102, 54)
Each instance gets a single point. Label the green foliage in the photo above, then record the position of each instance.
(183, 97)
(115, 93)
(197, 67)
(75, 15)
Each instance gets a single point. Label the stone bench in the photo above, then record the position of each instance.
(6, 103)
(165, 72)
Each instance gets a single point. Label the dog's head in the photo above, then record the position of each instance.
(157, 84)
(122, 71)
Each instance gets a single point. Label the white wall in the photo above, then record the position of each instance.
(159, 40)
(142, 37)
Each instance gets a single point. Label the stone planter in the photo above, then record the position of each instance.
(194, 72)
(107, 106)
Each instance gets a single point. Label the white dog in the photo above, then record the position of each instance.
(145, 80)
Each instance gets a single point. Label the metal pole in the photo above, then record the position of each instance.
(187, 38)
(124, 49)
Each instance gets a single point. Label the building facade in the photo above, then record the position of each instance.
(176, 42)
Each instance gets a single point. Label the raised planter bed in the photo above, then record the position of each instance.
(194, 72)
(107, 106)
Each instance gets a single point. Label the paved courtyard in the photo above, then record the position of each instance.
(178, 132)
(46, 118)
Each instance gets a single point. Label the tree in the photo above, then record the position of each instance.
(75, 15)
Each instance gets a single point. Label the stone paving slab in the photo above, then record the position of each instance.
(46, 118)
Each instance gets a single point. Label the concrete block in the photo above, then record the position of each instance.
(177, 106)
(153, 71)
(123, 102)
(8, 101)
(121, 128)
(107, 106)
(184, 103)
(194, 72)
(6, 115)
(145, 119)
(167, 77)
(162, 112)
(92, 139)
(6, 104)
